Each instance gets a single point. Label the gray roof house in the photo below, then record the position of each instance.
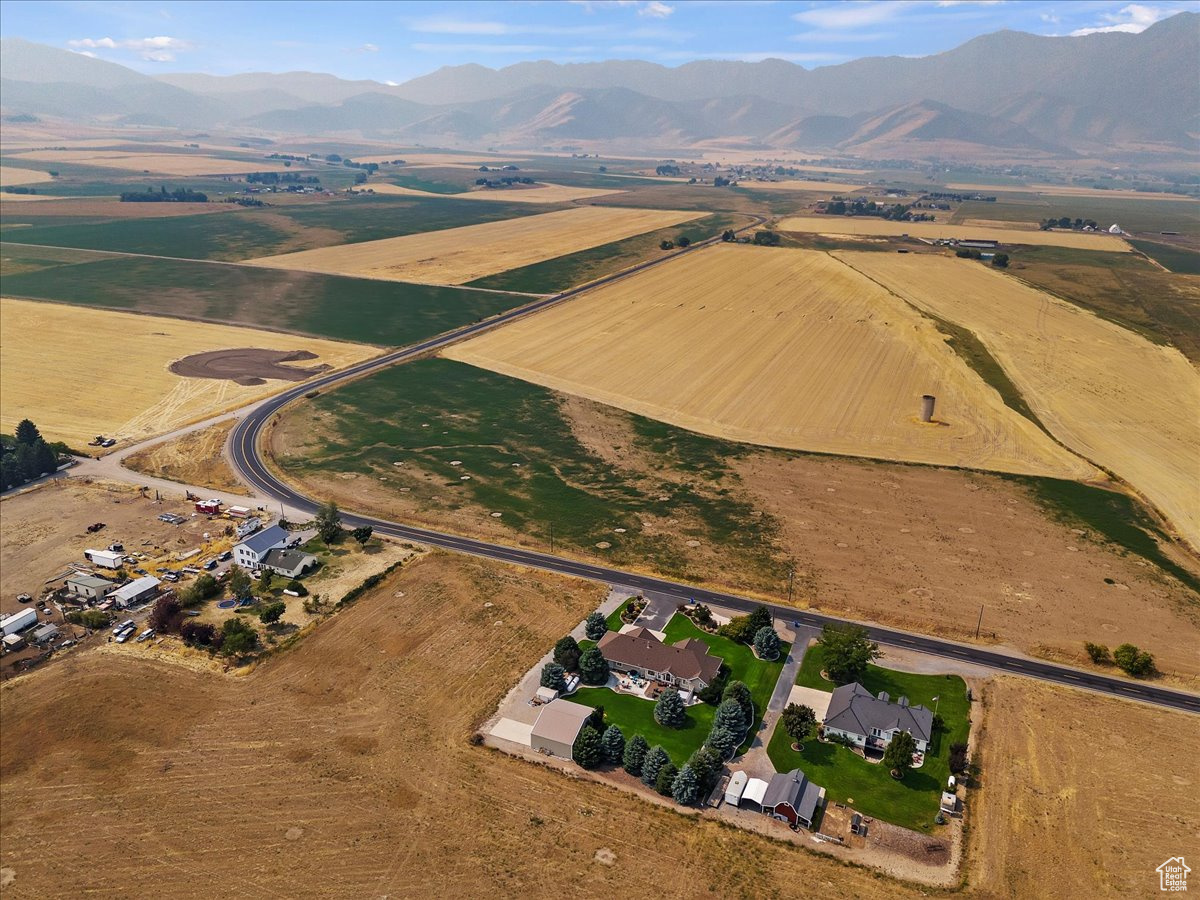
(792, 797)
(871, 722)
(250, 552)
(290, 563)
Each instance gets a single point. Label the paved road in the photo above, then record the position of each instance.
(245, 456)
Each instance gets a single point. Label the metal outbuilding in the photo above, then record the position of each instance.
(557, 726)
(18, 621)
(755, 790)
(138, 589)
(47, 632)
(89, 586)
(735, 788)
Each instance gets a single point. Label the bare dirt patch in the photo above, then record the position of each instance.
(1090, 809)
(196, 458)
(355, 739)
(247, 365)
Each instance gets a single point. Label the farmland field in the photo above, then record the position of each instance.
(868, 225)
(456, 256)
(1144, 213)
(777, 347)
(154, 163)
(539, 193)
(11, 176)
(350, 309)
(1063, 359)
(1127, 791)
(369, 722)
(82, 372)
(1179, 260)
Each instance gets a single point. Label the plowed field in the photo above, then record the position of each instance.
(868, 225)
(459, 255)
(1102, 390)
(787, 348)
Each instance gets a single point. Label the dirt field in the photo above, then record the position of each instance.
(459, 255)
(196, 458)
(155, 163)
(777, 347)
(342, 768)
(832, 187)
(539, 193)
(1062, 816)
(1101, 389)
(110, 375)
(247, 366)
(864, 225)
(11, 175)
(1062, 190)
(43, 530)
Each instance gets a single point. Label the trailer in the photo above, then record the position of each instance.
(18, 621)
(107, 559)
(208, 507)
(238, 512)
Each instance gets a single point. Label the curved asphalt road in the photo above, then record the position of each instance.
(244, 452)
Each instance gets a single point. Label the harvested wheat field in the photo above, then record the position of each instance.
(832, 187)
(787, 348)
(865, 225)
(1082, 795)
(109, 370)
(459, 255)
(538, 193)
(156, 163)
(1067, 190)
(197, 457)
(342, 768)
(1104, 391)
(11, 175)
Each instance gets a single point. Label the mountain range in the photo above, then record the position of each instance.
(1003, 94)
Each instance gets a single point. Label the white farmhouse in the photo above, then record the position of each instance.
(251, 552)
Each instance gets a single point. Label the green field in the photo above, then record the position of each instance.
(251, 233)
(1179, 260)
(452, 411)
(560, 273)
(330, 306)
(434, 185)
(868, 787)
(1131, 213)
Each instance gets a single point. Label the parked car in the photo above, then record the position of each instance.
(126, 634)
(210, 565)
(140, 572)
(145, 635)
(169, 576)
(24, 598)
(128, 623)
(67, 643)
(228, 554)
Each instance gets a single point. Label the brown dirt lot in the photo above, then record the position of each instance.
(196, 458)
(246, 365)
(342, 768)
(1082, 796)
(43, 530)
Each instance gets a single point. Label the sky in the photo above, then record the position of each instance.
(396, 41)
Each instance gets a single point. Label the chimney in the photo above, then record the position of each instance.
(927, 401)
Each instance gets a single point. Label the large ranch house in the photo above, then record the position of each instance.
(687, 665)
(870, 721)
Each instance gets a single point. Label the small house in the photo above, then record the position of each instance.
(45, 633)
(89, 586)
(557, 726)
(249, 553)
(137, 591)
(545, 694)
(106, 559)
(289, 563)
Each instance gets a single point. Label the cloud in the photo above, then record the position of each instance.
(87, 53)
(656, 10)
(451, 25)
(969, 2)
(369, 48)
(1050, 18)
(1132, 19)
(853, 13)
(392, 83)
(154, 49)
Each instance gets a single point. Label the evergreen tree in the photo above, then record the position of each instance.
(566, 653)
(730, 715)
(759, 618)
(27, 433)
(665, 780)
(613, 742)
(595, 626)
(669, 711)
(635, 754)
(587, 750)
(553, 677)
(707, 766)
(766, 643)
(686, 789)
(652, 765)
(722, 742)
(593, 667)
(737, 690)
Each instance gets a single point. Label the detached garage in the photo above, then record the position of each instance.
(557, 726)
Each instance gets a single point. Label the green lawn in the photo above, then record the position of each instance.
(636, 716)
(614, 617)
(912, 802)
(744, 666)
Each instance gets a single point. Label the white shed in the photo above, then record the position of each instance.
(735, 788)
(545, 694)
(756, 789)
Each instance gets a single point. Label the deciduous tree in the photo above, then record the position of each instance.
(272, 612)
(899, 753)
(848, 651)
(798, 721)
(329, 522)
(1133, 661)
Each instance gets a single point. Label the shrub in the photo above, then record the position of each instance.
(237, 637)
(593, 667)
(272, 612)
(665, 780)
(766, 643)
(713, 693)
(89, 618)
(958, 757)
(566, 653)
(297, 588)
(1098, 653)
(635, 753)
(595, 626)
(766, 238)
(669, 711)
(1000, 260)
(1132, 661)
(613, 742)
(587, 750)
(655, 759)
(554, 677)
(199, 634)
(665, 245)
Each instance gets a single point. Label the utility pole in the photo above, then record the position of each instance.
(980, 622)
(551, 535)
(791, 578)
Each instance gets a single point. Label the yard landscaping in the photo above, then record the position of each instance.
(869, 787)
(636, 716)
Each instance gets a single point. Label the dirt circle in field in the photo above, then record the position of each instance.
(246, 365)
